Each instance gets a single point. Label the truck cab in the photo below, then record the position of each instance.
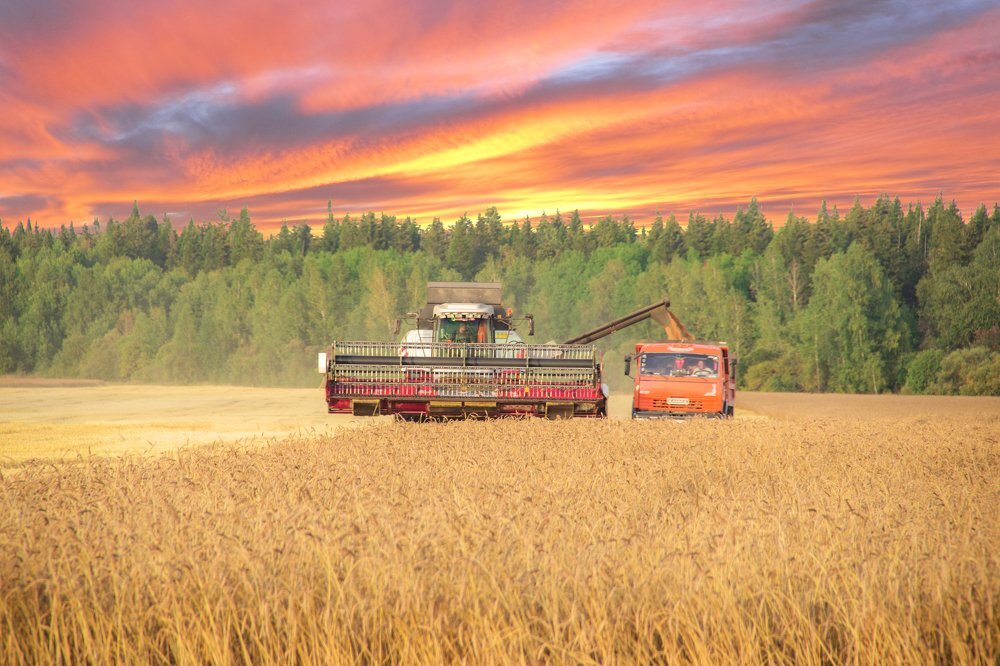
(682, 379)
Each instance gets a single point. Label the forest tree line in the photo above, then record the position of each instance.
(880, 298)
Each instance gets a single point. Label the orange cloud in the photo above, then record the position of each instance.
(436, 108)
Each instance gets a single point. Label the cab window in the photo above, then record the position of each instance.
(464, 330)
(678, 365)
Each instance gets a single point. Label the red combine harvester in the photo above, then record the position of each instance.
(465, 359)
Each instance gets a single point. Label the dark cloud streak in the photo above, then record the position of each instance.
(823, 35)
(13, 205)
(39, 17)
(233, 127)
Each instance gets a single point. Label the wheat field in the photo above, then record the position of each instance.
(747, 541)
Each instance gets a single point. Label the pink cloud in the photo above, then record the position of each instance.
(437, 108)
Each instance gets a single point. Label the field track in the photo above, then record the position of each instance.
(42, 418)
(864, 533)
(52, 418)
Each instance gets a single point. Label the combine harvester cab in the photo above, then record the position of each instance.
(464, 359)
(682, 379)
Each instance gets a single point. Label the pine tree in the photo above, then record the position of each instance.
(577, 235)
(407, 238)
(655, 230)
(669, 242)
(606, 233)
(698, 235)
(284, 241)
(331, 231)
(303, 239)
(461, 253)
(525, 245)
(976, 229)
(751, 230)
(723, 236)
(385, 232)
(435, 240)
(351, 234)
(243, 241)
(947, 243)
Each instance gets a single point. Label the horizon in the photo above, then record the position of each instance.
(270, 228)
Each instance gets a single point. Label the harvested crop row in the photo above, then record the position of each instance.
(565, 542)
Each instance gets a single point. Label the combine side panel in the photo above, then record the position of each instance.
(442, 380)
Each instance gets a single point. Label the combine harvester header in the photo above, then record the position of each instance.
(438, 379)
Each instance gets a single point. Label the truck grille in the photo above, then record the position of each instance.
(677, 405)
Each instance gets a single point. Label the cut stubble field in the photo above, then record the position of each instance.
(230, 525)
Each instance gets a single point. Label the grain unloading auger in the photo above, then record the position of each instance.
(465, 359)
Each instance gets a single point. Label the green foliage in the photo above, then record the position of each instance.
(462, 253)
(780, 372)
(922, 370)
(698, 237)
(704, 297)
(853, 327)
(751, 231)
(973, 371)
(959, 301)
(831, 305)
(666, 240)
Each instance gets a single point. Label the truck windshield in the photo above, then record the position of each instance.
(464, 330)
(679, 365)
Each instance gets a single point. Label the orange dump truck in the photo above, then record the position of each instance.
(681, 379)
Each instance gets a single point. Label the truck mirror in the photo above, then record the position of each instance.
(531, 324)
(628, 365)
(397, 326)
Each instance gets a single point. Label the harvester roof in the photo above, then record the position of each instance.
(463, 292)
(465, 310)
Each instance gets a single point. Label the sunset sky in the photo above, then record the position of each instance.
(431, 108)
